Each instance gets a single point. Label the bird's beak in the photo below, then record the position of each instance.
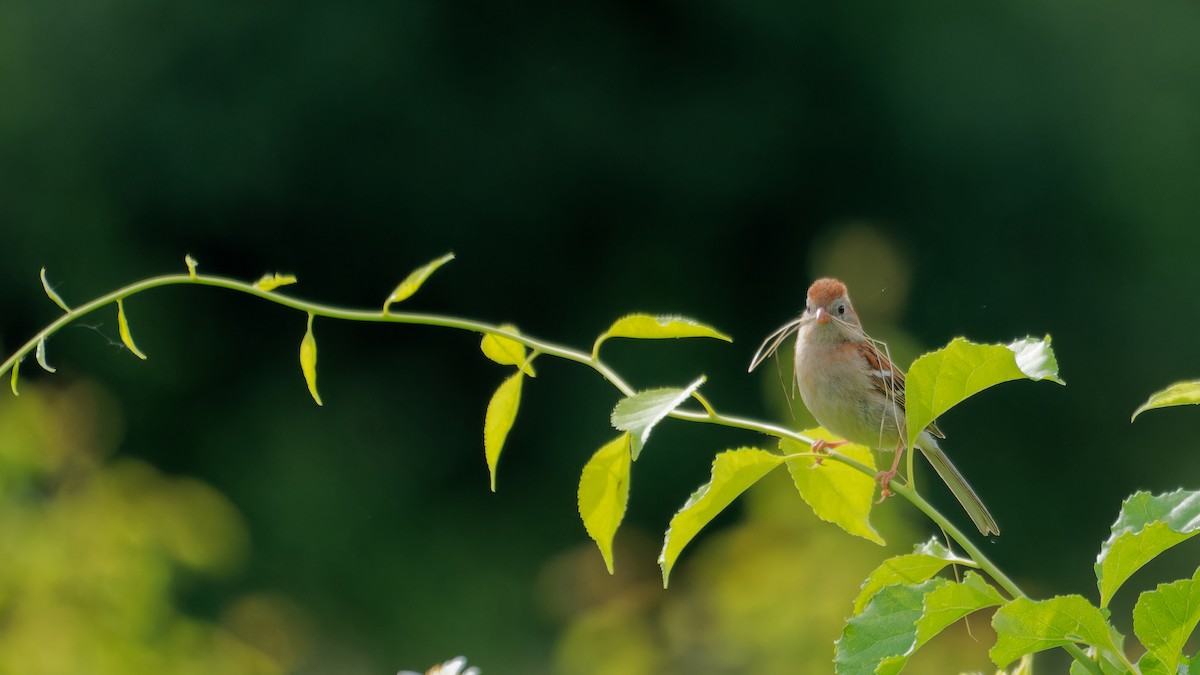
(822, 316)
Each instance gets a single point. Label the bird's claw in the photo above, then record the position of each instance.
(821, 447)
(884, 478)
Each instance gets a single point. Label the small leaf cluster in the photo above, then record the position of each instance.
(903, 604)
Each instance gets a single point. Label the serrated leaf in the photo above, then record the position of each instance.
(414, 281)
(649, 327)
(308, 361)
(12, 378)
(1024, 626)
(269, 282)
(505, 350)
(1146, 526)
(892, 621)
(604, 493)
(1163, 619)
(123, 329)
(1180, 393)
(52, 295)
(733, 472)
(191, 265)
(639, 413)
(940, 380)
(947, 604)
(925, 561)
(876, 640)
(837, 493)
(501, 413)
(40, 353)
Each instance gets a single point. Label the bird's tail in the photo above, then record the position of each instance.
(958, 485)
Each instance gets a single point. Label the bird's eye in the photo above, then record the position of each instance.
(841, 309)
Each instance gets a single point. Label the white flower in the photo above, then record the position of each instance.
(452, 667)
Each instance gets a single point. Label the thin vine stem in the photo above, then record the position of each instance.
(592, 360)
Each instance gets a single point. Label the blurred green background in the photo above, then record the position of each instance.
(988, 170)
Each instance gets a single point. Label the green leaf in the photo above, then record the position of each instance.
(1146, 526)
(123, 329)
(603, 494)
(505, 350)
(947, 604)
(40, 353)
(191, 265)
(501, 413)
(925, 561)
(269, 282)
(1149, 665)
(837, 493)
(888, 632)
(308, 361)
(876, 640)
(648, 327)
(733, 472)
(414, 281)
(53, 296)
(1163, 619)
(639, 413)
(1024, 626)
(941, 380)
(1109, 662)
(12, 378)
(1180, 393)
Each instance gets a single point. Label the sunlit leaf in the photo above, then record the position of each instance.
(886, 629)
(505, 350)
(1180, 393)
(940, 380)
(925, 561)
(12, 378)
(40, 353)
(899, 620)
(639, 413)
(308, 361)
(414, 280)
(1163, 619)
(501, 413)
(837, 493)
(649, 327)
(603, 494)
(123, 329)
(191, 265)
(1146, 526)
(949, 603)
(1025, 626)
(50, 292)
(270, 282)
(733, 472)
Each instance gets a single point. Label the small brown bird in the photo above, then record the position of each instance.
(852, 388)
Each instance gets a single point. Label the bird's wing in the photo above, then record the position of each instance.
(889, 380)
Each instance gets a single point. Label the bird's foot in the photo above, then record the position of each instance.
(884, 478)
(821, 447)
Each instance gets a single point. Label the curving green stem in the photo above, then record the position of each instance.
(591, 360)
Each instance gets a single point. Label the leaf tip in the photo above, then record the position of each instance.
(126, 335)
(50, 293)
(41, 357)
(191, 265)
(308, 361)
(269, 282)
